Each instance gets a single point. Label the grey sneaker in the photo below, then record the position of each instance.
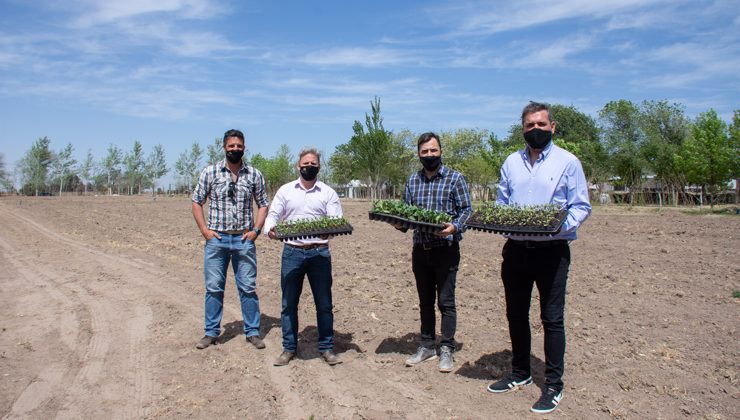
(422, 354)
(445, 359)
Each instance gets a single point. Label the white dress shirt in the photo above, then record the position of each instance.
(293, 202)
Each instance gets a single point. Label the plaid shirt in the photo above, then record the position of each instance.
(235, 212)
(447, 191)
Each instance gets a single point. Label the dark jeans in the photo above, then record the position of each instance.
(548, 268)
(297, 264)
(435, 271)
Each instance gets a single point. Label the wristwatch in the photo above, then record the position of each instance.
(257, 231)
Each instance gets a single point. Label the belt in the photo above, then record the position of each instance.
(309, 246)
(426, 246)
(538, 244)
(232, 232)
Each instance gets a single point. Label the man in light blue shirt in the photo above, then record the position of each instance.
(541, 173)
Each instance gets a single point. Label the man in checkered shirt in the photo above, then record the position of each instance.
(436, 256)
(230, 187)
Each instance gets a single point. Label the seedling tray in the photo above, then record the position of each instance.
(550, 230)
(406, 223)
(344, 230)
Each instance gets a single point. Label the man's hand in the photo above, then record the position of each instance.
(208, 234)
(251, 235)
(449, 229)
(271, 234)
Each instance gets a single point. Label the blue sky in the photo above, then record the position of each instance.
(96, 72)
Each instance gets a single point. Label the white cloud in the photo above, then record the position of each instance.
(100, 12)
(358, 56)
(485, 18)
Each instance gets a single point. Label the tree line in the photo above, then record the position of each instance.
(625, 144)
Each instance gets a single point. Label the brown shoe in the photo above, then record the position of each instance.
(256, 341)
(331, 358)
(206, 341)
(283, 359)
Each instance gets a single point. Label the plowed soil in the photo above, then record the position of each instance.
(101, 304)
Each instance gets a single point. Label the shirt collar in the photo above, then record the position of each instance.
(298, 184)
(440, 174)
(225, 168)
(543, 155)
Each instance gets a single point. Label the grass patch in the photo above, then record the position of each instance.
(736, 294)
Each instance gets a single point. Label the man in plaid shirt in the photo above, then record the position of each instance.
(436, 257)
(230, 187)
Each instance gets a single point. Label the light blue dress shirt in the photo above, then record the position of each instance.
(556, 177)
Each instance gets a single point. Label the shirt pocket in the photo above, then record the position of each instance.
(220, 188)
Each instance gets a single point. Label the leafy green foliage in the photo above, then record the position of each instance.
(35, 166)
(515, 215)
(373, 154)
(410, 212)
(311, 226)
(709, 158)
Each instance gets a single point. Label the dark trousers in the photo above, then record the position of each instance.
(547, 267)
(435, 271)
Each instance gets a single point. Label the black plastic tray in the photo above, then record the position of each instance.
(347, 230)
(406, 223)
(553, 229)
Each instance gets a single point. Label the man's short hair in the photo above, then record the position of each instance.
(309, 151)
(233, 133)
(427, 137)
(533, 107)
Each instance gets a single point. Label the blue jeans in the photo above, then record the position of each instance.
(316, 264)
(243, 257)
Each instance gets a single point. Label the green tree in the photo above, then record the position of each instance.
(111, 166)
(215, 151)
(87, 169)
(276, 170)
(708, 157)
(35, 165)
(465, 150)
(134, 163)
(188, 166)
(155, 167)
(666, 128)
(620, 122)
(62, 166)
(5, 182)
(372, 156)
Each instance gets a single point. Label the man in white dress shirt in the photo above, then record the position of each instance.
(305, 198)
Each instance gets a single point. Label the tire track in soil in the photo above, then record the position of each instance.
(106, 312)
(145, 275)
(298, 391)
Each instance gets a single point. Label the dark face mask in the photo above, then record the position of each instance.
(234, 156)
(309, 172)
(430, 163)
(537, 139)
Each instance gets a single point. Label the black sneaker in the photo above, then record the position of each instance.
(548, 401)
(510, 383)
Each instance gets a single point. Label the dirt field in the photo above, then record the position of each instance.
(102, 303)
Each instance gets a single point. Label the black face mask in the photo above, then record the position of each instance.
(234, 156)
(430, 163)
(537, 139)
(309, 172)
